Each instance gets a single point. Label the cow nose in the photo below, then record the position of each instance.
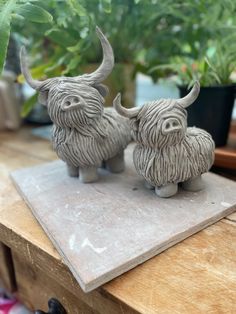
(171, 125)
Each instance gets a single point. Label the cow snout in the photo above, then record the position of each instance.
(73, 102)
(171, 125)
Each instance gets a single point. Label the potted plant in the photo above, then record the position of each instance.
(203, 48)
(66, 44)
(69, 45)
(213, 109)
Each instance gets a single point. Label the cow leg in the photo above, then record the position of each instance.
(149, 186)
(72, 170)
(166, 190)
(194, 184)
(88, 174)
(116, 164)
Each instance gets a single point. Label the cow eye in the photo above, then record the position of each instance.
(67, 103)
(76, 99)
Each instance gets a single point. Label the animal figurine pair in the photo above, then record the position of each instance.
(87, 136)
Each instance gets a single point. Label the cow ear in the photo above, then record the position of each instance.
(43, 98)
(135, 121)
(103, 89)
(134, 124)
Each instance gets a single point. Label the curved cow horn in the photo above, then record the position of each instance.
(128, 113)
(191, 97)
(107, 63)
(26, 72)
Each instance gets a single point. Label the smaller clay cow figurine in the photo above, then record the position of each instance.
(167, 152)
(85, 135)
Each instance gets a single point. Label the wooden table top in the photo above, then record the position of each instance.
(225, 156)
(197, 275)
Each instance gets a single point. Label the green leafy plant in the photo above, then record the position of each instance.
(215, 68)
(203, 43)
(11, 10)
(69, 42)
(142, 32)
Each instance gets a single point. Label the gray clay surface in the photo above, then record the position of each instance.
(167, 151)
(106, 228)
(85, 135)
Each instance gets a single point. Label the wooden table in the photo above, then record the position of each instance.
(195, 276)
(225, 157)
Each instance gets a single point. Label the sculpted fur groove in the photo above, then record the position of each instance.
(167, 151)
(85, 135)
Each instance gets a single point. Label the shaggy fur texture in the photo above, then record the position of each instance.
(174, 157)
(85, 134)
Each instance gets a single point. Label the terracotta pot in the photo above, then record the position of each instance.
(120, 80)
(212, 111)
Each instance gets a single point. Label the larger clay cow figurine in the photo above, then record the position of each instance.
(167, 152)
(85, 135)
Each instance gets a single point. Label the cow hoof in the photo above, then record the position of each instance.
(167, 190)
(193, 184)
(149, 186)
(116, 164)
(72, 171)
(88, 174)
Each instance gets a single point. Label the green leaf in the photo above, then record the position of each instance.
(36, 72)
(75, 48)
(5, 28)
(163, 67)
(209, 64)
(34, 13)
(74, 62)
(106, 5)
(17, 17)
(77, 8)
(61, 37)
(29, 105)
(211, 51)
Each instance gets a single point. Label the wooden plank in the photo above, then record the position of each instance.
(100, 227)
(146, 289)
(57, 271)
(139, 287)
(7, 275)
(26, 143)
(35, 288)
(225, 157)
(20, 231)
(196, 276)
(232, 217)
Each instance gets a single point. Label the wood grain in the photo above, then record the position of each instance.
(149, 288)
(35, 288)
(21, 232)
(24, 142)
(7, 275)
(196, 276)
(225, 157)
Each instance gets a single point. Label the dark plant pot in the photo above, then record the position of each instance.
(212, 111)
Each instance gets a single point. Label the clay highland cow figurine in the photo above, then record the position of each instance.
(85, 135)
(167, 151)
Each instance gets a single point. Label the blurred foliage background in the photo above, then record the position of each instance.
(193, 38)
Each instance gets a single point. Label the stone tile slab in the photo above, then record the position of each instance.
(104, 229)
